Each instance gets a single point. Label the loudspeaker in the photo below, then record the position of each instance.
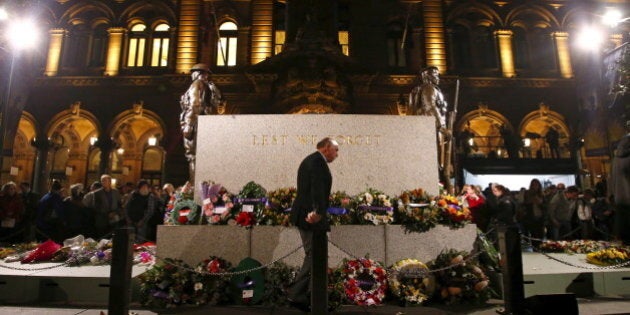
(556, 304)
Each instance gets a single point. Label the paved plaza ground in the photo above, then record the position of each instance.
(595, 306)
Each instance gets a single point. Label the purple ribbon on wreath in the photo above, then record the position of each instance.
(337, 211)
(375, 208)
(250, 200)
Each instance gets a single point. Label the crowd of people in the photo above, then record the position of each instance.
(93, 212)
(554, 212)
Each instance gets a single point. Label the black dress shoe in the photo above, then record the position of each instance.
(300, 306)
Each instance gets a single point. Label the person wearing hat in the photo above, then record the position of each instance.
(620, 186)
(202, 98)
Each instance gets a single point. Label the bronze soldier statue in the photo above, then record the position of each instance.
(427, 99)
(202, 98)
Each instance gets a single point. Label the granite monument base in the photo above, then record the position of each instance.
(384, 243)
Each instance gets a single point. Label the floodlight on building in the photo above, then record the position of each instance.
(471, 141)
(527, 142)
(152, 141)
(120, 151)
(612, 17)
(93, 140)
(22, 34)
(590, 38)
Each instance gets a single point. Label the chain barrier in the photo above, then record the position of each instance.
(621, 265)
(228, 274)
(2, 265)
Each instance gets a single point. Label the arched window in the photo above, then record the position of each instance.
(279, 21)
(159, 51)
(521, 49)
(137, 44)
(395, 52)
(543, 49)
(76, 47)
(485, 48)
(98, 46)
(460, 48)
(226, 47)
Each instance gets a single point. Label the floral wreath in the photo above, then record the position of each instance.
(342, 208)
(250, 203)
(458, 279)
(209, 288)
(574, 247)
(165, 285)
(365, 281)
(374, 207)
(452, 212)
(608, 257)
(278, 206)
(185, 211)
(217, 203)
(411, 282)
(415, 211)
(183, 200)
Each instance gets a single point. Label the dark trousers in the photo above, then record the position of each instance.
(622, 222)
(300, 290)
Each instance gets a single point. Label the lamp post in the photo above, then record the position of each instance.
(16, 36)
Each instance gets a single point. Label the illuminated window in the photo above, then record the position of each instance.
(344, 42)
(395, 52)
(98, 46)
(279, 41)
(159, 51)
(226, 47)
(137, 43)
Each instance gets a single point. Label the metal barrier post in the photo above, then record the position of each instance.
(319, 273)
(512, 269)
(120, 272)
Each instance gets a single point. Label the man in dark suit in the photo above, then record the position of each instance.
(309, 215)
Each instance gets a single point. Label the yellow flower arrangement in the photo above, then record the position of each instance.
(411, 282)
(608, 257)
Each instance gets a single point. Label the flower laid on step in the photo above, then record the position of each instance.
(365, 281)
(341, 209)
(374, 207)
(459, 279)
(575, 246)
(452, 212)
(278, 206)
(411, 282)
(415, 212)
(609, 257)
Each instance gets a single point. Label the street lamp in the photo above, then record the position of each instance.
(17, 35)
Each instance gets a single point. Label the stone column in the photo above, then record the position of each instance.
(54, 51)
(564, 54)
(434, 37)
(114, 50)
(261, 30)
(504, 38)
(106, 145)
(41, 172)
(188, 35)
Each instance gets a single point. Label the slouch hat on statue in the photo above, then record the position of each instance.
(200, 67)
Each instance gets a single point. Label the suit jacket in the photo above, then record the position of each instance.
(314, 182)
